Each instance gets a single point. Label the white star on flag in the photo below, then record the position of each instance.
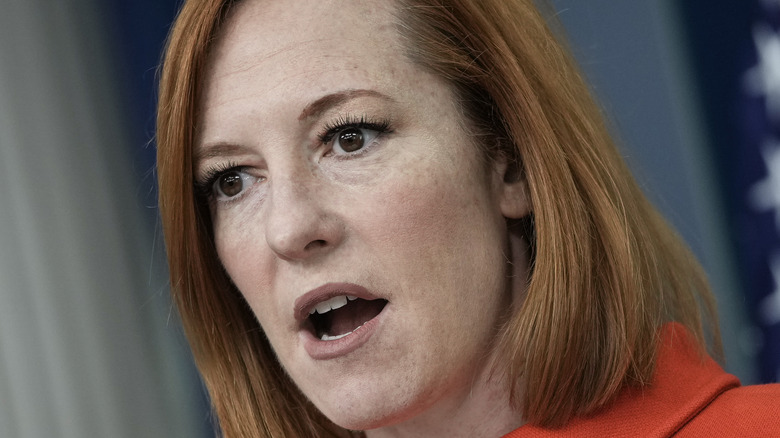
(764, 78)
(770, 304)
(765, 194)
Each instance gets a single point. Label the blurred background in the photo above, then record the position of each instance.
(89, 343)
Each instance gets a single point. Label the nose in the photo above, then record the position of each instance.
(299, 222)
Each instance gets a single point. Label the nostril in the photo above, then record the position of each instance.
(314, 244)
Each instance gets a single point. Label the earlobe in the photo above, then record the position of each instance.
(514, 200)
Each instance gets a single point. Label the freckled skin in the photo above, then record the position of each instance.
(417, 219)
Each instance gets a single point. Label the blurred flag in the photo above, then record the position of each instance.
(756, 180)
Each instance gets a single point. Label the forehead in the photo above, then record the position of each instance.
(273, 57)
(286, 38)
(274, 21)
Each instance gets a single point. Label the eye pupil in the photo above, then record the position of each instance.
(351, 139)
(230, 184)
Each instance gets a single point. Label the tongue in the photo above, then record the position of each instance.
(353, 315)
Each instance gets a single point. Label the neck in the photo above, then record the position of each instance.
(481, 410)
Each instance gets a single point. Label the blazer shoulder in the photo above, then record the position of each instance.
(745, 411)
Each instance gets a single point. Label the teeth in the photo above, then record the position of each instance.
(331, 304)
(327, 337)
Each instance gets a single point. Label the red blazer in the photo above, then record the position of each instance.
(690, 396)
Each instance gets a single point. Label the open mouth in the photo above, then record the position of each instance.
(341, 315)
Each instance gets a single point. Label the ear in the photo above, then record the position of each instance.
(512, 190)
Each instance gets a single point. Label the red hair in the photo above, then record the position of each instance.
(607, 270)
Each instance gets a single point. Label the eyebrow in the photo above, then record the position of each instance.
(330, 100)
(219, 149)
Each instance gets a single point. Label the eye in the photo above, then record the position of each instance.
(350, 136)
(353, 139)
(232, 183)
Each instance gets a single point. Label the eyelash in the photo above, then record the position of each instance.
(204, 186)
(381, 126)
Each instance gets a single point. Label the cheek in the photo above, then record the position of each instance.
(418, 211)
(242, 250)
(435, 223)
(236, 242)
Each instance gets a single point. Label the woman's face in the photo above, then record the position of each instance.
(341, 175)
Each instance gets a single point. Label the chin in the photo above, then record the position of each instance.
(372, 409)
(366, 419)
(361, 422)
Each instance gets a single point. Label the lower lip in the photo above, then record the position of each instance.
(325, 350)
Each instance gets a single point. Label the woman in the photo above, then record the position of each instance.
(407, 218)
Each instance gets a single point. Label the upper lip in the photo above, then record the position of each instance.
(310, 299)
